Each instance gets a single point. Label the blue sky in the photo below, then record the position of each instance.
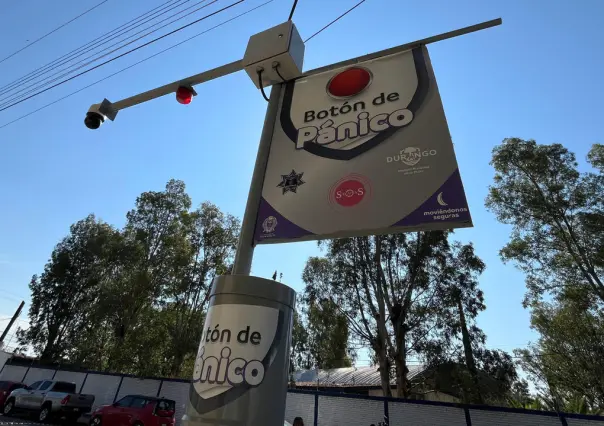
(537, 76)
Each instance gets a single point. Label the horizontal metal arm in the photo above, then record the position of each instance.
(407, 46)
(109, 109)
(158, 92)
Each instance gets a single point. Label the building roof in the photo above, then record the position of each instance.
(351, 376)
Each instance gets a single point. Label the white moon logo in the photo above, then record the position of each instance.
(440, 200)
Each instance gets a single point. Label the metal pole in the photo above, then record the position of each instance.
(166, 89)
(245, 249)
(12, 321)
(407, 46)
(236, 66)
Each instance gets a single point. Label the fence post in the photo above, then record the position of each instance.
(26, 371)
(6, 362)
(386, 413)
(117, 392)
(466, 411)
(161, 383)
(316, 422)
(84, 382)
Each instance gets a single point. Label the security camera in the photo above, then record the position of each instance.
(94, 120)
(98, 113)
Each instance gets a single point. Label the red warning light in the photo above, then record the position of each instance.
(349, 82)
(184, 95)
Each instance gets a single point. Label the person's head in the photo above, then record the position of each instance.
(298, 421)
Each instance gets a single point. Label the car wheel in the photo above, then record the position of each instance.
(72, 419)
(96, 421)
(44, 414)
(9, 407)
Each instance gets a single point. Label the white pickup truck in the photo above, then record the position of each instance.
(48, 399)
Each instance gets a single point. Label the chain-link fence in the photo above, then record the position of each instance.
(315, 408)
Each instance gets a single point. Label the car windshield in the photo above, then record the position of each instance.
(166, 405)
(65, 387)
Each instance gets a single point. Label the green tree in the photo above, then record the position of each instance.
(557, 214)
(390, 288)
(208, 249)
(133, 301)
(62, 296)
(299, 355)
(566, 360)
(462, 301)
(328, 336)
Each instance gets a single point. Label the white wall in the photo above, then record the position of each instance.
(4, 356)
(333, 410)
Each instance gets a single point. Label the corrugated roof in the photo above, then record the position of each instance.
(351, 376)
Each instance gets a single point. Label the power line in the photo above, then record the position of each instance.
(135, 64)
(291, 14)
(53, 31)
(92, 44)
(335, 20)
(121, 55)
(70, 69)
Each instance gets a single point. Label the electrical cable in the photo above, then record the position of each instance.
(91, 48)
(133, 65)
(260, 84)
(335, 20)
(70, 69)
(276, 68)
(109, 36)
(91, 58)
(291, 14)
(120, 56)
(53, 31)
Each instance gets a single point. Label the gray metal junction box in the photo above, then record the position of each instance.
(281, 44)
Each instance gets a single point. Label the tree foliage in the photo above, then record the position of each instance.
(132, 300)
(557, 214)
(566, 360)
(399, 294)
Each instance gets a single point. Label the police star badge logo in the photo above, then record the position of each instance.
(291, 182)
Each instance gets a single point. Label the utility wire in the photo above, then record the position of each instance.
(135, 64)
(53, 31)
(335, 20)
(121, 55)
(93, 44)
(291, 14)
(70, 68)
(73, 67)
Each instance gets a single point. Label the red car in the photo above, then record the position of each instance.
(136, 410)
(6, 388)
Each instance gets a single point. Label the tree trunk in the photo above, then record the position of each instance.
(402, 384)
(384, 363)
(475, 395)
(49, 349)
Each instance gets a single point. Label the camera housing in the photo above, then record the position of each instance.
(94, 120)
(98, 113)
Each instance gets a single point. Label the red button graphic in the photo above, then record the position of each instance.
(349, 83)
(349, 193)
